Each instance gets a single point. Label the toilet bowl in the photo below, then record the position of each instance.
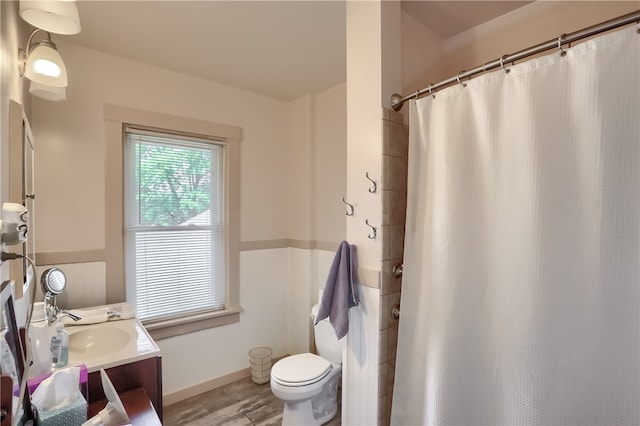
(308, 383)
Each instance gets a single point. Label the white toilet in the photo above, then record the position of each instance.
(308, 383)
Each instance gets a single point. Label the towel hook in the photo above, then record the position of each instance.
(350, 209)
(374, 185)
(372, 233)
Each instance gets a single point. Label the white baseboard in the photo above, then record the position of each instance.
(218, 382)
(187, 393)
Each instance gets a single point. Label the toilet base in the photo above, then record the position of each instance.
(327, 417)
(301, 413)
(325, 404)
(313, 410)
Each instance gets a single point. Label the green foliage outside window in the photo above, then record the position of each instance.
(174, 183)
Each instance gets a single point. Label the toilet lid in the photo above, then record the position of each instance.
(300, 370)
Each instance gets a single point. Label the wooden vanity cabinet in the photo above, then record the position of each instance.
(145, 374)
(6, 399)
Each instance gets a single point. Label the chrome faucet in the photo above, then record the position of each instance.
(53, 282)
(52, 311)
(50, 307)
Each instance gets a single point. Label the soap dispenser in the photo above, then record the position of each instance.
(60, 345)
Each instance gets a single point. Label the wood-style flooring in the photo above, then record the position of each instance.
(241, 403)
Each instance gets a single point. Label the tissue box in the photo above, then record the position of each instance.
(84, 378)
(71, 415)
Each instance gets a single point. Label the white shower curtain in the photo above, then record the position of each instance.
(521, 289)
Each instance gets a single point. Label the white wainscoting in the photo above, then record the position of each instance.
(360, 361)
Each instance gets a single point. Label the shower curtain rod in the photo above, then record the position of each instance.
(397, 101)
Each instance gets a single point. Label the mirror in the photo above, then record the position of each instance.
(21, 190)
(53, 281)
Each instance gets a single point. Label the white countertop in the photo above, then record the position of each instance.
(110, 344)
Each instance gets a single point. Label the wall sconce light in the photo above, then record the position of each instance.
(55, 16)
(48, 92)
(42, 63)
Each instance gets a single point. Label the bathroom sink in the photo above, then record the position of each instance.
(109, 344)
(98, 341)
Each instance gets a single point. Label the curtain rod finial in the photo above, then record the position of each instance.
(396, 102)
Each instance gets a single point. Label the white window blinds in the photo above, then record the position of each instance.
(173, 236)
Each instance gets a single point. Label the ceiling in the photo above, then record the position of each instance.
(448, 18)
(281, 49)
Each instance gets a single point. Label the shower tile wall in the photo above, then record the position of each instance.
(394, 202)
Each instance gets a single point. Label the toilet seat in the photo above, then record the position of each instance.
(300, 370)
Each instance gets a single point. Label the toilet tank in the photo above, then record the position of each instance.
(329, 347)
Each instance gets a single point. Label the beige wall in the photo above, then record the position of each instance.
(373, 74)
(316, 184)
(283, 182)
(13, 35)
(364, 125)
(300, 171)
(329, 154)
(281, 179)
(317, 167)
(524, 27)
(421, 49)
(70, 166)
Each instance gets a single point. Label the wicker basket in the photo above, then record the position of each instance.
(260, 360)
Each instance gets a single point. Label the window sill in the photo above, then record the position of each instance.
(188, 324)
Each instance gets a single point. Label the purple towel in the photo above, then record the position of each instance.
(340, 291)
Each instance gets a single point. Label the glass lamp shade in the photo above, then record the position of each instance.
(55, 16)
(48, 92)
(45, 66)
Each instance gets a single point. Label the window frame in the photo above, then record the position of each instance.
(216, 149)
(116, 120)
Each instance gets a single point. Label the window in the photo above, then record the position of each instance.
(173, 233)
(127, 220)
